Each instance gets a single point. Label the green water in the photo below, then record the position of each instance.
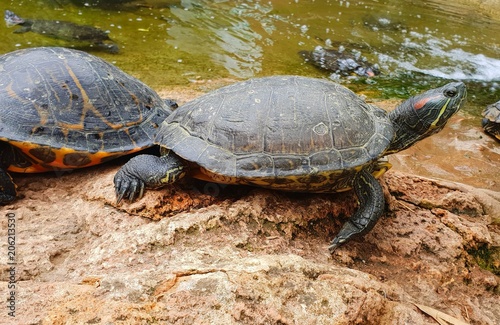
(418, 44)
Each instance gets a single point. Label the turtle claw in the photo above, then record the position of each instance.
(127, 186)
(343, 236)
(141, 191)
(135, 187)
(119, 198)
(336, 242)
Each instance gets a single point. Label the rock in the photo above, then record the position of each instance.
(246, 256)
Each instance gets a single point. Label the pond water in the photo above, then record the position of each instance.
(417, 44)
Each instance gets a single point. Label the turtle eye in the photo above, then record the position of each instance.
(451, 92)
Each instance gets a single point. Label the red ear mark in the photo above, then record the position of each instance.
(421, 103)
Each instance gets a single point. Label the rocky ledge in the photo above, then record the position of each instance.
(205, 254)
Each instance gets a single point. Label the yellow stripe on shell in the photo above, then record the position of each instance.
(379, 168)
(87, 106)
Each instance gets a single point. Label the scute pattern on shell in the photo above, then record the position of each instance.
(62, 98)
(278, 126)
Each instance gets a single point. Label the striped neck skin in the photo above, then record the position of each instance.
(425, 114)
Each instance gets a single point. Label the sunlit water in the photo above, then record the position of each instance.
(172, 42)
(418, 45)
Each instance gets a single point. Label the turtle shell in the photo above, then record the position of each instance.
(65, 108)
(277, 128)
(491, 120)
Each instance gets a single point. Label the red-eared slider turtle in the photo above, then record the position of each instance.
(340, 61)
(491, 120)
(63, 30)
(64, 109)
(294, 134)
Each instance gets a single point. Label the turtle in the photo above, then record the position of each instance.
(63, 109)
(290, 133)
(491, 120)
(340, 61)
(63, 30)
(383, 23)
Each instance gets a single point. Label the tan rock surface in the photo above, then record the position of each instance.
(244, 256)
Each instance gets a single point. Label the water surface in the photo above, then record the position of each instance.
(167, 42)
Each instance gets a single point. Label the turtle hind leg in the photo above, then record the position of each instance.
(7, 188)
(371, 207)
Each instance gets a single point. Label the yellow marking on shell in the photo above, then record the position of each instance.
(441, 112)
(87, 106)
(127, 131)
(137, 103)
(41, 113)
(296, 183)
(11, 92)
(39, 166)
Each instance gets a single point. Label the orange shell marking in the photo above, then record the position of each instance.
(39, 166)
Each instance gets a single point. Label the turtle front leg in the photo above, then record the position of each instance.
(371, 207)
(7, 188)
(147, 171)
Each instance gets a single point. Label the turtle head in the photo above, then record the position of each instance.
(425, 114)
(11, 19)
(367, 71)
(491, 120)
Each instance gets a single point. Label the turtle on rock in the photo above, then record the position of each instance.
(62, 109)
(63, 30)
(290, 133)
(491, 120)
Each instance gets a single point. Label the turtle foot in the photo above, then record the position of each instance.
(145, 171)
(348, 231)
(6, 198)
(127, 185)
(334, 245)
